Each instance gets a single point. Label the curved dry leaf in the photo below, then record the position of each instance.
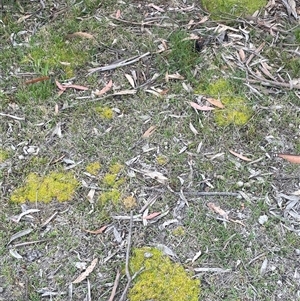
(81, 35)
(239, 156)
(195, 132)
(77, 87)
(99, 231)
(130, 79)
(60, 86)
(105, 89)
(242, 55)
(36, 80)
(149, 132)
(218, 210)
(19, 234)
(215, 102)
(89, 269)
(152, 215)
(291, 158)
(200, 108)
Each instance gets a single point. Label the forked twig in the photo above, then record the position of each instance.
(129, 278)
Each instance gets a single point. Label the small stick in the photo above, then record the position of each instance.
(212, 193)
(29, 243)
(129, 279)
(12, 116)
(118, 65)
(116, 283)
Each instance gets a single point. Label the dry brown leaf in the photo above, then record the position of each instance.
(152, 215)
(201, 108)
(60, 86)
(99, 231)
(291, 158)
(81, 35)
(215, 102)
(218, 210)
(174, 76)
(77, 87)
(36, 80)
(64, 87)
(239, 156)
(89, 269)
(105, 89)
(242, 55)
(149, 132)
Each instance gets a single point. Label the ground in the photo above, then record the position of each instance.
(149, 125)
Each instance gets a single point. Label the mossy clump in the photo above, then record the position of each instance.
(236, 110)
(233, 7)
(179, 231)
(105, 112)
(56, 185)
(93, 168)
(113, 196)
(160, 279)
(161, 160)
(129, 202)
(112, 182)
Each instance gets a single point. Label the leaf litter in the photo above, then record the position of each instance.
(243, 54)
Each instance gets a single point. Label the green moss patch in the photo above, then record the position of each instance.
(104, 112)
(236, 110)
(112, 182)
(56, 185)
(160, 279)
(233, 7)
(93, 168)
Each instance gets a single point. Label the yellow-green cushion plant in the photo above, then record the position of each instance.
(160, 279)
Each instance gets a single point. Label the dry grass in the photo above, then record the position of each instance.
(150, 146)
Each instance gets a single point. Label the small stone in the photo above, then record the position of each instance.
(263, 219)
(239, 184)
(1, 289)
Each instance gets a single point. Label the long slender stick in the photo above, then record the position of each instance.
(129, 278)
(116, 283)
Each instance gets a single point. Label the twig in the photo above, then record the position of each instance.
(89, 296)
(116, 283)
(129, 279)
(255, 258)
(149, 23)
(12, 116)
(266, 82)
(29, 243)
(118, 65)
(212, 193)
(197, 193)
